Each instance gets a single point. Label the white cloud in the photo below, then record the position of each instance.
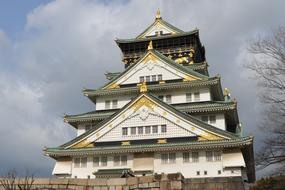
(68, 45)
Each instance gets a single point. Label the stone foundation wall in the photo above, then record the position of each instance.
(156, 182)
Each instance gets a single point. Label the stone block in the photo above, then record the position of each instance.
(153, 184)
(132, 180)
(134, 186)
(175, 185)
(146, 179)
(41, 181)
(112, 187)
(58, 181)
(164, 185)
(126, 187)
(116, 181)
(119, 187)
(104, 188)
(96, 188)
(143, 185)
(98, 181)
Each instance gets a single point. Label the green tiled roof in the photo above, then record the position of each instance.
(166, 60)
(192, 145)
(153, 88)
(132, 40)
(110, 75)
(163, 104)
(163, 22)
(195, 107)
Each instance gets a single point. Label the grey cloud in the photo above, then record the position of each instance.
(68, 45)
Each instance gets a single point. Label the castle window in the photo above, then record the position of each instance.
(104, 161)
(96, 161)
(217, 156)
(120, 160)
(209, 156)
(125, 131)
(147, 130)
(153, 78)
(88, 127)
(160, 97)
(205, 118)
(115, 104)
(197, 96)
(195, 156)
(107, 104)
(168, 158)
(133, 130)
(197, 172)
(147, 78)
(80, 162)
(154, 129)
(212, 119)
(186, 157)
(140, 130)
(205, 172)
(163, 129)
(219, 172)
(168, 99)
(141, 79)
(188, 97)
(159, 77)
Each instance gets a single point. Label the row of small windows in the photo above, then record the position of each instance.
(150, 78)
(101, 161)
(141, 130)
(211, 156)
(111, 104)
(206, 172)
(190, 97)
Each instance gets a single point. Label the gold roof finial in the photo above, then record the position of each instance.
(150, 46)
(143, 87)
(226, 92)
(157, 16)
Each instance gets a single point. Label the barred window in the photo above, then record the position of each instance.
(153, 78)
(154, 129)
(164, 158)
(195, 156)
(140, 130)
(168, 99)
(205, 118)
(125, 131)
(141, 79)
(107, 104)
(104, 161)
(96, 161)
(197, 96)
(159, 77)
(117, 160)
(77, 162)
(209, 156)
(217, 156)
(133, 130)
(163, 129)
(172, 157)
(84, 162)
(147, 78)
(212, 119)
(186, 157)
(188, 97)
(115, 104)
(147, 130)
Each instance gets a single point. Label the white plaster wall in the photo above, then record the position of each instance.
(189, 169)
(81, 129)
(177, 97)
(173, 130)
(220, 120)
(154, 29)
(167, 74)
(84, 172)
(122, 100)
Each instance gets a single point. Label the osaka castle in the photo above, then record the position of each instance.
(163, 113)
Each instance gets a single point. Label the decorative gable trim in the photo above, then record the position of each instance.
(184, 121)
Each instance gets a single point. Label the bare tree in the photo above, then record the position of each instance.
(11, 182)
(269, 67)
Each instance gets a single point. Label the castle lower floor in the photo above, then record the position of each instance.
(191, 164)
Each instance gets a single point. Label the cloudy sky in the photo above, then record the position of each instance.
(50, 50)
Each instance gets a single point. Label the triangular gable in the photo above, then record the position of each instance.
(148, 102)
(159, 25)
(160, 63)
